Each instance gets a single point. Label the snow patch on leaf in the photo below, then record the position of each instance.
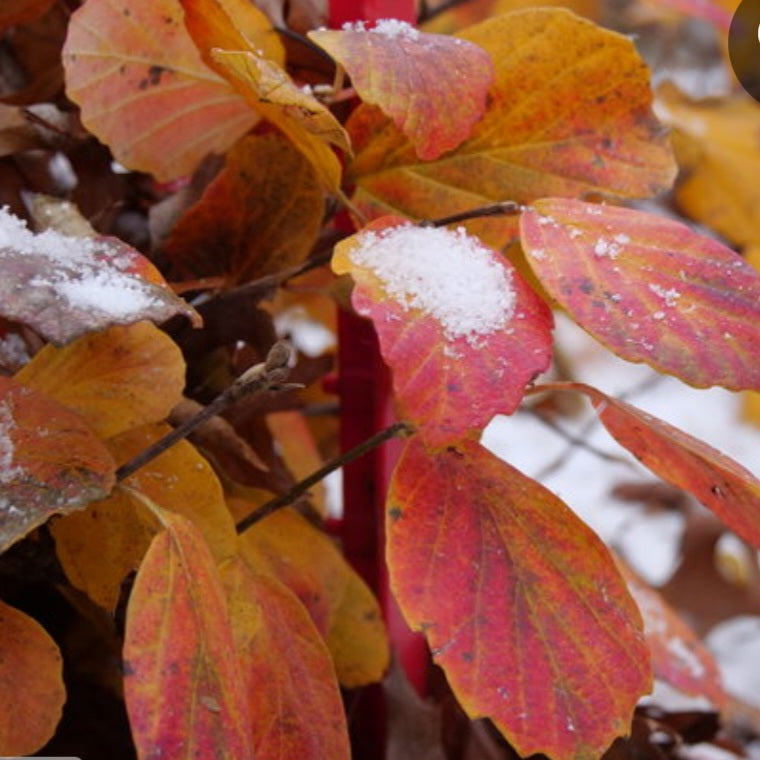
(391, 28)
(446, 274)
(8, 472)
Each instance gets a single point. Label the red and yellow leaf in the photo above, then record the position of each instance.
(521, 603)
(678, 655)
(51, 462)
(144, 89)
(720, 483)
(461, 330)
(296, 710)
(432, 86)
(260, 215)
(101, 545)
(569, 113)
(66, 286)
(184, 691)
(650, 289)
(344, 610)
(31, 683)
(116, 380)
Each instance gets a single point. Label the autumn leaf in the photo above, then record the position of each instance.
(50, 461)
(432, 86)
(308, 124)
(520, 602)
(144, 89)
(720, 483)
(649, 288)
(101, 545)
(300, 712)
(716, 142)
(116, 380)
(260, 215)
(231, 25)
(64, 286)
(178, 594)
(569, 113)
(678, 655)
(460, 329)
(31, 682)
(347, 615)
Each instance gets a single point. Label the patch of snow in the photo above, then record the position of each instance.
(13, 351)
(606, 248)
(735, 644)
(308, 335)
(681, 651)
(447, 274)
(8, 471)
(391, 28)
(670, 296)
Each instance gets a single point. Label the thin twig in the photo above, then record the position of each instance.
(270, 375)
(398, 429)
(505, 208)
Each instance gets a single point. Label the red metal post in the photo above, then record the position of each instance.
(365, 398)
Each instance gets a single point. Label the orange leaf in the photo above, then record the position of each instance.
(568, 114)
(231, 25)
(521, 603)
(298, 448)
(144, 90)
(678, 656)
(50, 461)
(461, 330)
(720, 483)
(183, 688)
(285, 546)
(308, 124)
(716, 141)
(115, 380)
(261, 214)
(299, 712)
(66, 286)
(101, 545)
(433, 87)
(650, 289)
(31, 682)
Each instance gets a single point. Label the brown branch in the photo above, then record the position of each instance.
(505, 208)
(398, 429)
(270, 375)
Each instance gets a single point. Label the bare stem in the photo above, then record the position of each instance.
(505, 208)
(398, 429)
(270, 375)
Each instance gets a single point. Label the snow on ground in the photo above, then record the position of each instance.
(584, 480)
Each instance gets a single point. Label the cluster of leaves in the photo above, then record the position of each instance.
(529, 129)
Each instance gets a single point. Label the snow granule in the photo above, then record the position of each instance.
(446, 274)
(86, 273)
(670, 296)
(391, 28)
(606, 248)
(8, 472)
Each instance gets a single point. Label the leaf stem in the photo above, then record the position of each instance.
(398, 429)
(270, 375)
(505, 208)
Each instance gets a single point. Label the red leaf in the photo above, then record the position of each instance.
(299, 712)
(66, 286)
(433, 86)
(650, 289)
(720, 483)
(183, 687)
(50, 461)
(520, 601)
(459, 327)
(144, 89)
(679, 657)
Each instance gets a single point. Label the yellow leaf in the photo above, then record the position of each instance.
(115, 380)
(101, 545)
(285, 546)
